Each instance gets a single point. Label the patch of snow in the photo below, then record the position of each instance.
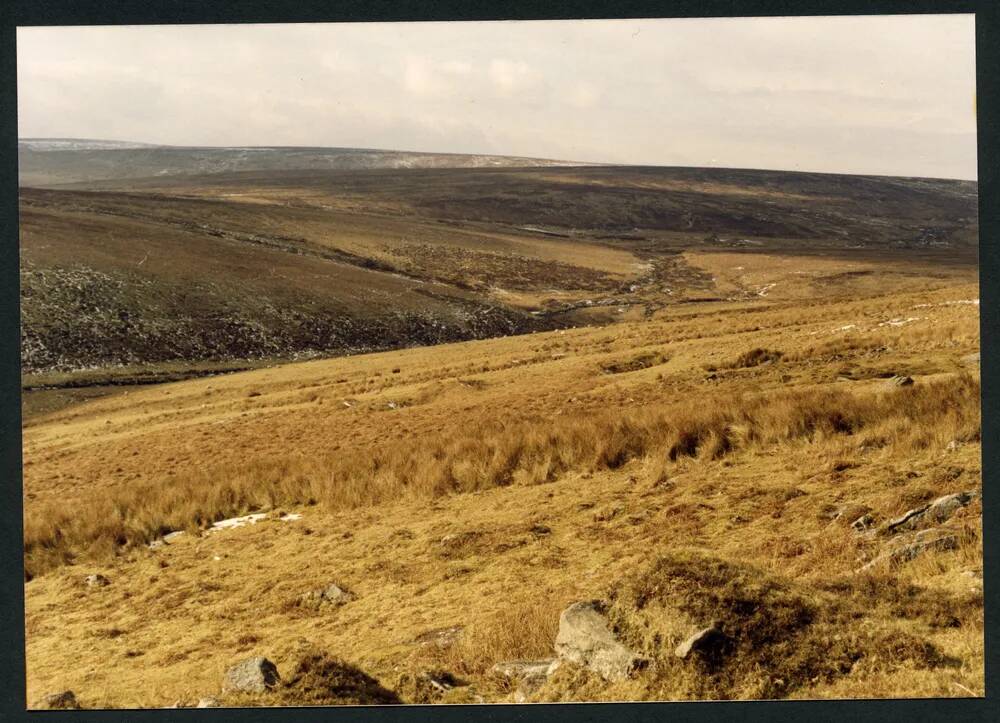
(234, 522)
(762, 291)
(959, 302)
(900, 322)
(251, 519)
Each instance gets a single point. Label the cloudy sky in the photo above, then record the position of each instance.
(883, 95)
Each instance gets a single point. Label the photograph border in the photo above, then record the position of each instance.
(15, 13)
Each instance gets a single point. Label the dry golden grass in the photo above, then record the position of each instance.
(510, 478)
(498, 455)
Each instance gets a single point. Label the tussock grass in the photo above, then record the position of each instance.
(501, 454)
(776, 635)
(755, 357)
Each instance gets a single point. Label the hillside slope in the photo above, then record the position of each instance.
(704, 463)
(277, 264)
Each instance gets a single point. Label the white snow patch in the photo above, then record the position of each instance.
(959, 302)
(251, 519)
(900, 322)
(234, 522)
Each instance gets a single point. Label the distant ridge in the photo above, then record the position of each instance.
(50, 162)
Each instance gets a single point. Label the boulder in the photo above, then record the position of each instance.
(65, 700)
(253, 675)
(96, 580)
(586, 639)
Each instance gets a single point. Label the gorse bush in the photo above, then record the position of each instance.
(501, 453)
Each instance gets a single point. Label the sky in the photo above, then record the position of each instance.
(888, 95)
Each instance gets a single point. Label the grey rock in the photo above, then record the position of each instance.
(518, 669)
(333, 595)
(586, 639)
(708, 642)
(910, 547)
(439, 682)
(65, 700)
(96, 580)
(253, 675)
(935, 512)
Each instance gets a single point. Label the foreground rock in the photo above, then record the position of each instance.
(586, 639)
(96, 580)
(65, 700)
(935, 512)
(253, 675)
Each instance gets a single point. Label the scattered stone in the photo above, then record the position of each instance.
(708, 642)
(209, 702)
(863, 524)
(65, 700)
(608, 513)
(520, 669)
(901, 381)
(936, 512)
(530, 675)
(253, 675)
(586, 639)
(96, 580)
(441, 637)
(333, 594)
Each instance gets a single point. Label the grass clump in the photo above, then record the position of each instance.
(755, 357)
(321, 679)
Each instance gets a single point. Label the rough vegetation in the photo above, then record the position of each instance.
(733, 494)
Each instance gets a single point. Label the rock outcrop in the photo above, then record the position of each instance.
(933, 513)
(253, 675)
(586, 639)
